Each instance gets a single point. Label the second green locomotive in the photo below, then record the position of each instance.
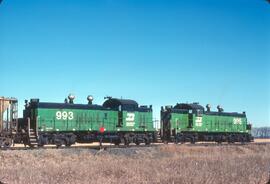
(189, 122)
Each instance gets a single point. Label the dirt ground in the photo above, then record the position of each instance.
(261, 140)
(155, 164)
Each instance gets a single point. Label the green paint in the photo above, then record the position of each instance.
(66, 120)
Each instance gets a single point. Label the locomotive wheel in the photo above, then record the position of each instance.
(59, 143)
(243, 140)
(40, 145)
(176, 140)
(31, 146)
(7, 143)
(117, 142)
(123, 140)
(193, 140)
(67, 143)
(25, 141)
(218, 139)
(127, 142)
(147, 141)
(231, 140)
(165, 141)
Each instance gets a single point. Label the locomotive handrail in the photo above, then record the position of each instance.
(28, 124)
(37, 126)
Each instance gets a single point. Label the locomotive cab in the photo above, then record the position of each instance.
(134, 122)
(121, 106)
(179, 118)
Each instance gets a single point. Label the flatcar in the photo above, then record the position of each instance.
(116, 121)
(190, 122)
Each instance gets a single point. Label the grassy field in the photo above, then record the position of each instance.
(156, 164)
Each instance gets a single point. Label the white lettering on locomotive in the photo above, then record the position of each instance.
(198, 121)
(130, 119)
(237, 121)
(64, 115)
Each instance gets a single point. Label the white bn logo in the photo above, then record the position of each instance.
(198, 121)
(237, 121)
(130, 119)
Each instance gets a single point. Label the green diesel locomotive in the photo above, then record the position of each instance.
(187, 122)
(116, 121)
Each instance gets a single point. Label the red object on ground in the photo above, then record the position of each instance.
(102, 129)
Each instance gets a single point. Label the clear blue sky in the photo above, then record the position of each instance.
(156, 52)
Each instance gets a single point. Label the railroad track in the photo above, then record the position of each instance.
(112, 146)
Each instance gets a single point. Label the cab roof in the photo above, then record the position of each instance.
(125, 104)
(189, 106)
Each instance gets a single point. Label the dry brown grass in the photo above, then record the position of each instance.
(158, 164)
